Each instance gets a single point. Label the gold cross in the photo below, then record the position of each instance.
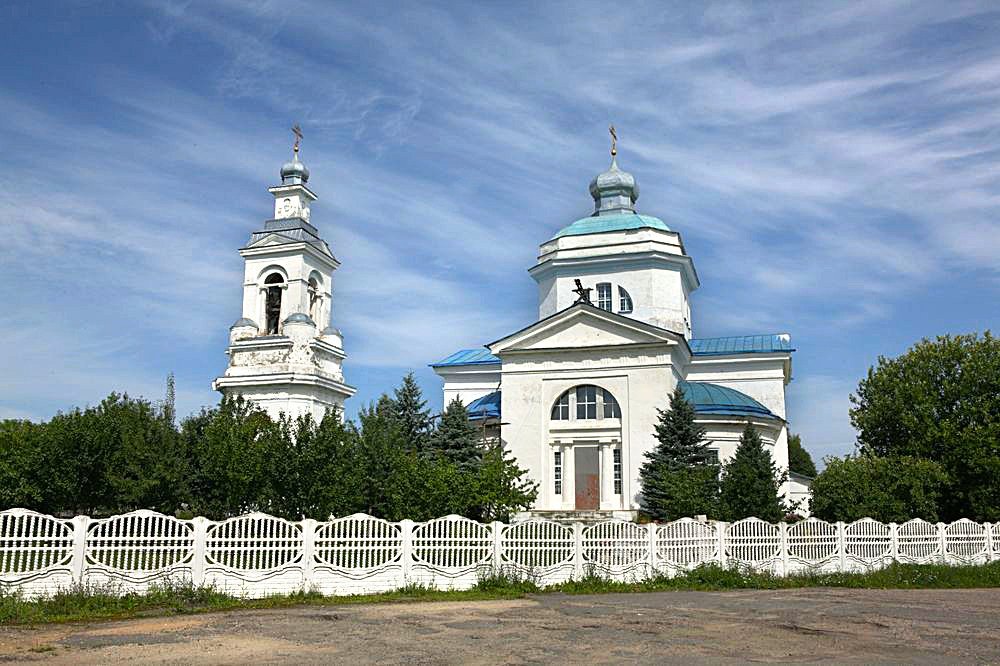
(297, 131)
(614, 140)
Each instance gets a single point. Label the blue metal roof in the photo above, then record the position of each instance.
(709, 398)
(597, 224)
(736, 344)
(486, 407)
(742, 344)
(481, 356)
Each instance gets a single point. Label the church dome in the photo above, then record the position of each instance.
(707, 398)
(598, 224)
(299, 318)
(614, 191)
(614, 181)
(294, 172)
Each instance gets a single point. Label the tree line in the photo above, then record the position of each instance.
(928, 441)
(128, 453)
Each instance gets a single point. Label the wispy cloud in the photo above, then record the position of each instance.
(827, 166)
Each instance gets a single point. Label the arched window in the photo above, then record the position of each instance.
(624, 301)
(584, 403)
(272, 303)
(314, 299)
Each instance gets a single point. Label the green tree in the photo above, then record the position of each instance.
(228, 447)
(501, 489)
(750, 482)
(21, 460)
(939, 401)
(411, 413)
(147, 465)
(679, 477)
(456, 438)
(886, 489)
(799, 460)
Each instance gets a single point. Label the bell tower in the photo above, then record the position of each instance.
(283, 353)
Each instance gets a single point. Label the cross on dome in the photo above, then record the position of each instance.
(295, 172)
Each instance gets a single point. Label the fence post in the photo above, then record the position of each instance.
(198, 558)
(990, 542)
(894, 542)
(308, 552)
(783, 541)
(406, 532)
(577, 551)
(943, 542)
(842, 545)
(721, 527)
(497, 528)
(79, 561)
(651, 528)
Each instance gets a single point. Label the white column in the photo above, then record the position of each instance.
(78, 562)
(308, 553)
(569, 478)
(200, 542)
(607, 476)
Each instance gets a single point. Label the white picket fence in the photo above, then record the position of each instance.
(258, 555)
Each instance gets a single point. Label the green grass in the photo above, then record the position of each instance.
(172, 599)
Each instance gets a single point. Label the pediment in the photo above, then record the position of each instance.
(581, 327)
(273, 239)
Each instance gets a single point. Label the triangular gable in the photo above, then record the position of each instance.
(582, 326)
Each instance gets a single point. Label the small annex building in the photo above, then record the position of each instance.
(574, 395)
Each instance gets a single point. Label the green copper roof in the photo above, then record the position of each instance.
(597, 224)
(709, 398)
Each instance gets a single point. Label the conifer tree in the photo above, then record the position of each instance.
(456, 438)
(750, 482)
(681, 440)
(680, 476)
(411, 414)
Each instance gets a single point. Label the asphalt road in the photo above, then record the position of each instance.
(808, 625)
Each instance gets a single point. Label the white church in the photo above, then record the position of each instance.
(574, 395)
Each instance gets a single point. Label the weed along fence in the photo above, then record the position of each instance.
(257, 555)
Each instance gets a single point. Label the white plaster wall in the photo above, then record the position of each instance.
(293, 401)
(469, 382)
(659, 296)
(640, 381)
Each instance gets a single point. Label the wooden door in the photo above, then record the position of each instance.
(587, 477)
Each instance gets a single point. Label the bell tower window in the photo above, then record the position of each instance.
(314, 300)
(272, 304)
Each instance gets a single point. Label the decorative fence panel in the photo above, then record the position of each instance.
(257, 555)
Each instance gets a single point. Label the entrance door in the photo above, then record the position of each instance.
(588, 481)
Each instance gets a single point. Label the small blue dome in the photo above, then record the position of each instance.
(486, 407)
(240, 323)
(709, 398)
(299, 318)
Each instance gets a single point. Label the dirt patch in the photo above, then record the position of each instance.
(810, 625)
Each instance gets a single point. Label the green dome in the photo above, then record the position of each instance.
(707, 398)
(598, 224)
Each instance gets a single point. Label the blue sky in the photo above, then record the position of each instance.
(832, 168)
